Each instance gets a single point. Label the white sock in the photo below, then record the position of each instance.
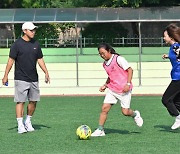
(28, 118)
(134, 114)
(20, 121)
(178, 116)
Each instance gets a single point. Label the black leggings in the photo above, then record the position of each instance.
(171, 98)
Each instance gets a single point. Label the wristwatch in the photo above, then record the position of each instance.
(128, 84)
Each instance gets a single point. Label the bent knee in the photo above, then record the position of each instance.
(164, 101)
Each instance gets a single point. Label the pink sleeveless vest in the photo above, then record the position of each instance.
(117, 75)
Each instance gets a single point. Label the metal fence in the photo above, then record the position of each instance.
(92, 42)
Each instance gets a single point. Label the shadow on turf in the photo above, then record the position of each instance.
(167, 129)
(36, 127)
(117, 131)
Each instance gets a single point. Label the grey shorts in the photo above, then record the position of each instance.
(26, 91)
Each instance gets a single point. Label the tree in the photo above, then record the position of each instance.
(104, 32)
(125, 3)
(45, 30)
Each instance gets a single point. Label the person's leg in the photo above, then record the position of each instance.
(125, 100)
(33, 97)
(170, 100)
(19, 109)
(102, 119)
(177, 101)
(19, 117)
(104, 113)
(109, 100)
(31, 107)
(30, 110)
(21, 90)
(128, 112)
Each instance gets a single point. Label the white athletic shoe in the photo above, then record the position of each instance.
(21, 129)
(98, 132)
(176, 124)
(138, 119)
(28, 126)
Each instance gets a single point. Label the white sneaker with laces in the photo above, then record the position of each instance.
(21, 129)
(98, 132)
(176, 124)
(28, 126)
(138, 119)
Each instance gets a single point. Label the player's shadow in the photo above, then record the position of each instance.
(40, 126)
(118, 131)
(166, 129)
(36, 127)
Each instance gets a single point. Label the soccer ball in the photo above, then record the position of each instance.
(83, 132)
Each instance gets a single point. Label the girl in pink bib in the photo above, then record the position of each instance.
(119, 87)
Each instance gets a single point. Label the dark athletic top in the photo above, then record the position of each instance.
(26, 55)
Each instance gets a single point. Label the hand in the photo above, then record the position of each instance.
(165, 56)
(47, 79)
(126, 88)
(4, 80)
(102, 88)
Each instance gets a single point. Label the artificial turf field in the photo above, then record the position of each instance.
(57, 118)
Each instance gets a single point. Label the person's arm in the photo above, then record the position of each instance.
(102, 88)
(130, 74)
(43, 67)
(7, 70)
(165, 56)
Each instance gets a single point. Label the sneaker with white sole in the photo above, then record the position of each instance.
(21, 129)
(176, 124)
(28, 126)
(138, 119)
(98, 132)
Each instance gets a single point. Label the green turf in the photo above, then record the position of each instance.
(57, 118)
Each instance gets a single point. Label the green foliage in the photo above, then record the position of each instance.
(61, 4)
(124, 3)
(46, 3)
(106, 31)
(11, 3)
(66, 26)
(46, 31)
(43, 31)
(49, 29)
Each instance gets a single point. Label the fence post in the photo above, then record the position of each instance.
(45, 42)
(123, 41)
(84, 42)
(140, 53)
(7, 43)
(80, 38)
(162, 41)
